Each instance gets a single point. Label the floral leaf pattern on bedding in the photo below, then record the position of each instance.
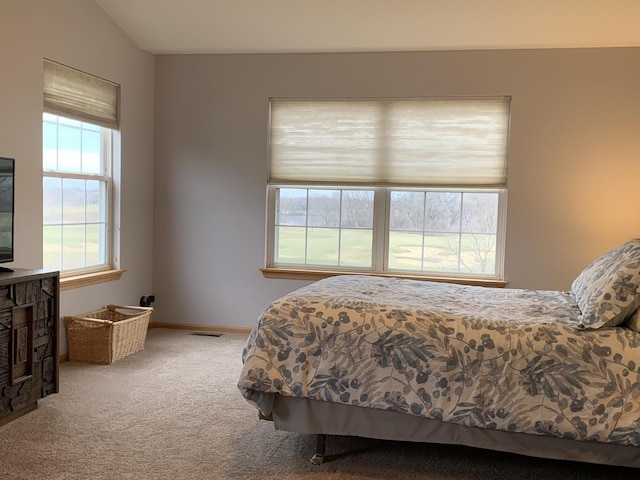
(608, 289)
(503, 359)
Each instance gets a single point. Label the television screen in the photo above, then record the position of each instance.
(7, 166)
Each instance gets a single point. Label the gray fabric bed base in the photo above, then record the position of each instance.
(302, 415)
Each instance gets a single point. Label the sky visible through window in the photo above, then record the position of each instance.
(71, 146)
(74, 194)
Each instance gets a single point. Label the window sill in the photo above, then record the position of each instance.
(290, 273)
(78, 281)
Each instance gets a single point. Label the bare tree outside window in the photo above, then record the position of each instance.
(436, 231)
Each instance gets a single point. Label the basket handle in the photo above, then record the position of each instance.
(129, 307)
(86, 319)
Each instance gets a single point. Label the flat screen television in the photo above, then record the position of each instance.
(7, 173)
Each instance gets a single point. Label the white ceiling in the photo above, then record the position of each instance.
(288, 26)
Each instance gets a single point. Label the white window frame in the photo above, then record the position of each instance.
(500, 232)
(110, 239)
(380, 236)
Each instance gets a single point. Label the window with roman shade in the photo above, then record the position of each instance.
(80, 123)
(78, 95)
(426, 142)
(431, 171)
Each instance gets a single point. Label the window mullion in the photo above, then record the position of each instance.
(462, 213)
(107, 152)
(501, 233)
(306, 231)
(424, 228)
(380, 248)
(272, 238)
(75, 176)
(107, 171)
(340, 228)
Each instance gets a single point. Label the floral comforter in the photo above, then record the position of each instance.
(504, 359)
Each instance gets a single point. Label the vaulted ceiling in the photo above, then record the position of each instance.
(290, 26)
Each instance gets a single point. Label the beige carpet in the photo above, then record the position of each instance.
(173, 412)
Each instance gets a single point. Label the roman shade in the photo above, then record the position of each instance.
(74, 94)
(426, 142)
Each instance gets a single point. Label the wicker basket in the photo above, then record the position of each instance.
(107, 335)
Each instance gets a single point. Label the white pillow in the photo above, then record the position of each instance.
(608, 289)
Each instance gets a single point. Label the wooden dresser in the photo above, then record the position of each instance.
(29, 360)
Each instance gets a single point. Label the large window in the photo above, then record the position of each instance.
(79, 126)
(389, 186)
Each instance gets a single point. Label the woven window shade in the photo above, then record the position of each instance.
(78, 95)
(408, 142)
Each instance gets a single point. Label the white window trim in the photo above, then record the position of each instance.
(380, 242)
(110, 269)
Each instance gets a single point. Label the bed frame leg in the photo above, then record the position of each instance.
(318, 457)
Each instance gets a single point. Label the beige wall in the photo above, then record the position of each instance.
(573, 166)
(79, 34)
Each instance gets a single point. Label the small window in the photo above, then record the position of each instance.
(415, 186)
(76, 194)
(79, 127)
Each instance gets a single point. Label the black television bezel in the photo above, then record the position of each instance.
(9, 257)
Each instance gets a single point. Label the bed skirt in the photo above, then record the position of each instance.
(303, 415)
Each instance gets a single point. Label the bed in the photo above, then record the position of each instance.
(543, 373)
